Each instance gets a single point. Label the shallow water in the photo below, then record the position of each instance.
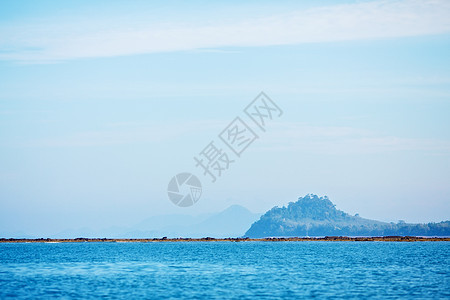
(226, 270)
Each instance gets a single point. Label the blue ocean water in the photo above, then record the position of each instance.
(226, 270)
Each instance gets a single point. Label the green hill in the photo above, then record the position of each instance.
(318, 216)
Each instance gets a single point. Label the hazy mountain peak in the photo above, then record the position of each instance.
(235, 208)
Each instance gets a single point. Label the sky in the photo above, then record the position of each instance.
(102, 103)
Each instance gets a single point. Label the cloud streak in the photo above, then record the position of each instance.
(125, 133)
(49, 41)
(338, 140)
(283, 137)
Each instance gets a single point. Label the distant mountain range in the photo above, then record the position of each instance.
(314, 216)
(232, 222)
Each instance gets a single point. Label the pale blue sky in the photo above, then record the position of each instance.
(101, 104)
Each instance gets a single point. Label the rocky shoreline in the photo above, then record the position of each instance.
(209, 239)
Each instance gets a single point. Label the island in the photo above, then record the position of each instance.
(313, 216)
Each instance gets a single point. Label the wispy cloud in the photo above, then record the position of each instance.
(282, 137)
(369, 20)
(123, 133)
(303, 138)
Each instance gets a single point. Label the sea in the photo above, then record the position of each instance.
(225, 270)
